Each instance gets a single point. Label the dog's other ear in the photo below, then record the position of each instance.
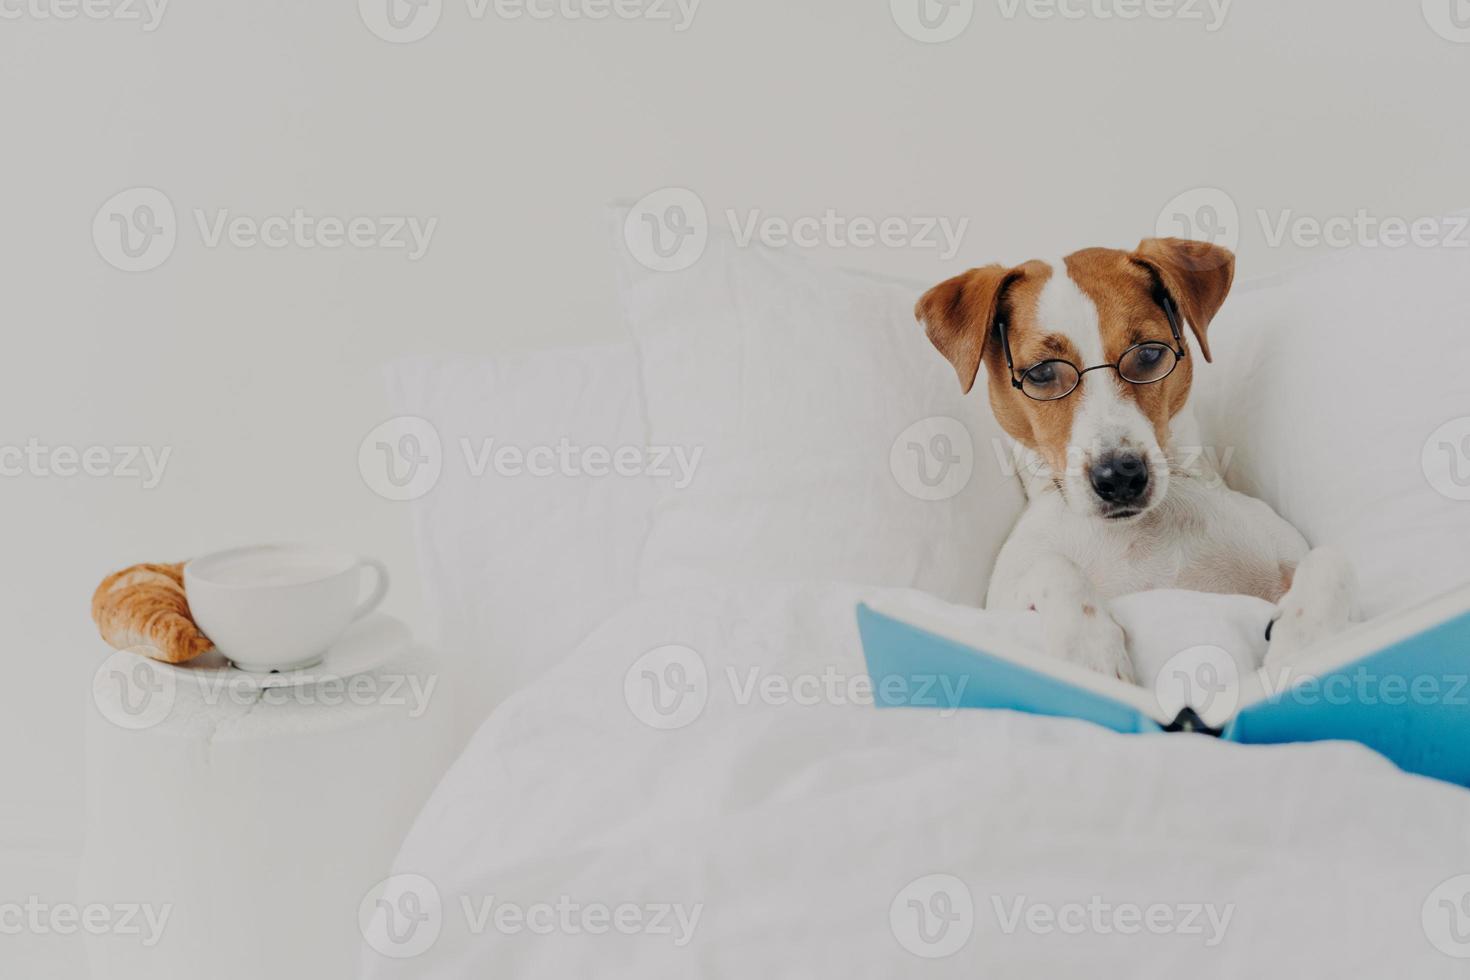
(959, 315)
(1196, 274)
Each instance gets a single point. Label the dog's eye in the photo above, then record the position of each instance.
(1147, 363)
(1049, 380)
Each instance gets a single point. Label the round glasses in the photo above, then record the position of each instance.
(1141, 364)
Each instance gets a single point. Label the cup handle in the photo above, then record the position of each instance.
(379, 591)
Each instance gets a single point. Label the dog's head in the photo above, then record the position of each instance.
(1104, 440)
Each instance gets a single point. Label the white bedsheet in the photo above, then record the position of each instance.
(791, 830)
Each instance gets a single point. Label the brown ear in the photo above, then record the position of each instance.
(1196, 274)
(959, 313)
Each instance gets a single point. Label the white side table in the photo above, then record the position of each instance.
(256, 821)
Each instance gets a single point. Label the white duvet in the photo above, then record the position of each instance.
(773, 824)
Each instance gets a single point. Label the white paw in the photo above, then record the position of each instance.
(1094, 641)
(1320, 603)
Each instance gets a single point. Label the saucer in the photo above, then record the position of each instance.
(365, 645)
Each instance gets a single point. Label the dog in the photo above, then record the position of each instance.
(1089, 370)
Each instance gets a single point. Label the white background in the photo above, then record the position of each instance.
(258, 367)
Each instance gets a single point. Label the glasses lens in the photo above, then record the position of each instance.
(1147, 363)
(1049, 380)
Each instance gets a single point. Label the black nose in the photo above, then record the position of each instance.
(1120, 478)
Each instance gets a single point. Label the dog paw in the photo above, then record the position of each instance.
(1319, 604)
(1093, 641)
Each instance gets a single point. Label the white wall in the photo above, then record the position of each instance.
(257, 368)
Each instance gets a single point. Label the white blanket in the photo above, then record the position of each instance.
(789, 829)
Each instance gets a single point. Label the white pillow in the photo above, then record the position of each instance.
(518, 567)
(1332, 387)
(823, 415)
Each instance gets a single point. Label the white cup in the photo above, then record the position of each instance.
(279, 607)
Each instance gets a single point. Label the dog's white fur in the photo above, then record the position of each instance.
(1065, 560)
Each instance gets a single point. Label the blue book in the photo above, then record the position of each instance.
(1399, 684)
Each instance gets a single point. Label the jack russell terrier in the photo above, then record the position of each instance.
(1089, 370)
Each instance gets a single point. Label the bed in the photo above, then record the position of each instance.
(673, 765)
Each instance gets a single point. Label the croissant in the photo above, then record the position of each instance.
(145, 606)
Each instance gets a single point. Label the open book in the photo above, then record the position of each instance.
(1399, 684)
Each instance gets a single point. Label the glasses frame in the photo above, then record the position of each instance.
(1179, 350)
